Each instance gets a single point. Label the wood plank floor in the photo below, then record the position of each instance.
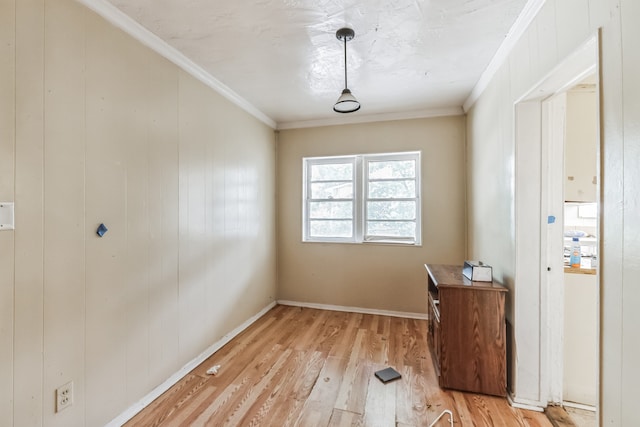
(305, 367)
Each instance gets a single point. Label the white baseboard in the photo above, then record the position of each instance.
(156, 392)
(521, 404)
(408, 315)
(579, 406)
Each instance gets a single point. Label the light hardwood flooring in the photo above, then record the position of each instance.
(306, 367)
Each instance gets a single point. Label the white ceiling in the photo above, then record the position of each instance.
(282, 56)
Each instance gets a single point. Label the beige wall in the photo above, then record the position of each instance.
(374, 276)
(7, 192)
(560, 27)
(104, 130)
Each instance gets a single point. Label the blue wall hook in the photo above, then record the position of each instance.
(101, 230)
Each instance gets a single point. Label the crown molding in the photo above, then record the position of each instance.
(357, 118)
(122, 21)
(518, 28)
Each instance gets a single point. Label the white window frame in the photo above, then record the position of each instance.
(307, 163)
(360, 197)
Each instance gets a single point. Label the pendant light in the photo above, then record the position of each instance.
(347, 103)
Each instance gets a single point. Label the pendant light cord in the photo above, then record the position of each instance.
(345, 63)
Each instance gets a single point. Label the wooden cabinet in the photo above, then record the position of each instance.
(467, 331)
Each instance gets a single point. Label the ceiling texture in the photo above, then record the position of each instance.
(283, 58)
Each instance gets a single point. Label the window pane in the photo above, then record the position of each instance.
(332, 190)
(332, 172)
(331, 210)
(392, 189)
(392, 169)
(392, 229)
(391, 210)
(319, 228)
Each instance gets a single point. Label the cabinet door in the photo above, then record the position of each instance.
(473, 341)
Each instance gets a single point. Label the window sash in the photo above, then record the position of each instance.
(372, 235)
(308, 201)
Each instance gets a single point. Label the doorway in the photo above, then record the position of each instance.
(570, 147)
(540, 175)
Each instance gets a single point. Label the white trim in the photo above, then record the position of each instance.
(122, 21)
(359, 118)
(579, 406)
(524, 404)
(521, 24)
(173, 379)
(566, 74)
(403, 314)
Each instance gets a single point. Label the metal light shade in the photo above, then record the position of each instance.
(347, 103)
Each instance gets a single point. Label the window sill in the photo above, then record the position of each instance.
(368, 243)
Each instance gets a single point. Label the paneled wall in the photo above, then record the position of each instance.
(95, 128)
(558, 29)
(7, 193)
(374, 276)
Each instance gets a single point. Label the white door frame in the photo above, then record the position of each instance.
(537, 355)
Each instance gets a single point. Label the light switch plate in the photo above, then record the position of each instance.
(6, 216)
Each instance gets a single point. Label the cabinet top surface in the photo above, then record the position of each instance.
(451, 276)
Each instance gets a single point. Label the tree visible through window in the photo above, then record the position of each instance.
(362, 198)
(330, 207)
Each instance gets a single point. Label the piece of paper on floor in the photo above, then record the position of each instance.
(213, 370)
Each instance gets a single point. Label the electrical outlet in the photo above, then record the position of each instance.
(64, 396)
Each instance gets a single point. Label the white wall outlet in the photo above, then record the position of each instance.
(64, 396)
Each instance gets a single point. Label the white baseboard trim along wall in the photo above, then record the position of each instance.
(422, 316)
(173, 379)
(522, 404)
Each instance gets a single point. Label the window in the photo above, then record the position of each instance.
(362, 198)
